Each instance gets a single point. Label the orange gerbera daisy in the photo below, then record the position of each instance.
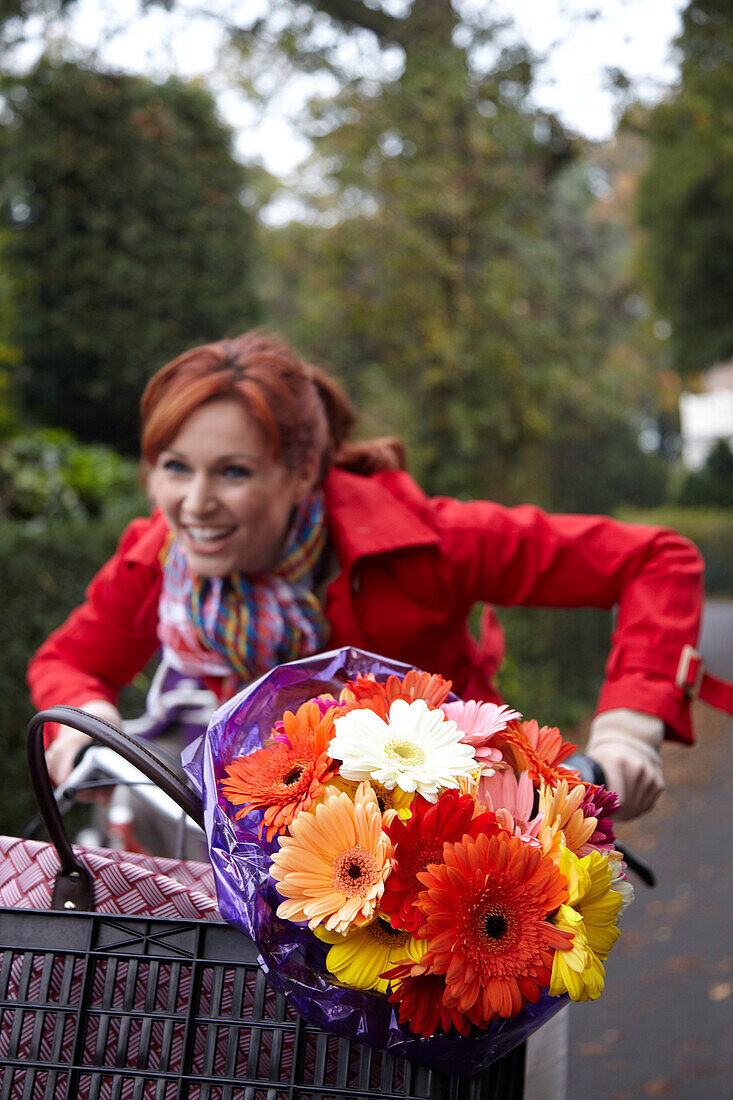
(366, 691)
(332, 867)
(536, 751)
(287, 776)
(486, 921)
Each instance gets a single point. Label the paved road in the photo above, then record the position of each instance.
(664, 1025)
(716, 639)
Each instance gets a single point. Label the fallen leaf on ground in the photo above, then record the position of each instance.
(659, 1086)
(681, 964)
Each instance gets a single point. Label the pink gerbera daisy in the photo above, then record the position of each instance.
(512, 800)
(537, 751)
(479, 722)
(600, 804)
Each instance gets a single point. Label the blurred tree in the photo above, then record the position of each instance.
(686, 196)
(713, 484)
(13, 14)
(448, 262)
(128, 240)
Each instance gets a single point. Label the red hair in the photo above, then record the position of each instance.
(301, 409)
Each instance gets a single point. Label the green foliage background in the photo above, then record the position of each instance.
(710, 528)
(44, 575)
(713, 484)
(455, 271)
(127, 239)
(46, 475)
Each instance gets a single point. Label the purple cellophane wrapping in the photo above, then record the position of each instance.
(290, 954)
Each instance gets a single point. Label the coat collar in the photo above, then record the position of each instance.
(375, 515)
(151, 542)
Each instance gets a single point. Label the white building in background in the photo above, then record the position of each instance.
(707, 417)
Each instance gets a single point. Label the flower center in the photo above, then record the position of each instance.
(386, 800)
(494, 925)
(354, 872)
(410, 862)
(405, 753)
(495, 928)
(293, 775)
(384, 933)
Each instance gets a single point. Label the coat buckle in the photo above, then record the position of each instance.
(690, 671)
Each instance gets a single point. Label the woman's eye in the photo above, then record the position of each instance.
(235, 472)
(174, 466)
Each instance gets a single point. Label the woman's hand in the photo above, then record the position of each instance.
(626, 744)
(68, 743)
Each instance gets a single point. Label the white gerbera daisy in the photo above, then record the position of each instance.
(416, 749)
(619, 880)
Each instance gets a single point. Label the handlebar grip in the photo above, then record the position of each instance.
(590, 770)
(73, 888)
(80, 756)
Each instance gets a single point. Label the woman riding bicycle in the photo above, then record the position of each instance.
(274, 537)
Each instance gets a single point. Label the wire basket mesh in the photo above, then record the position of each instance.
(131, 1008)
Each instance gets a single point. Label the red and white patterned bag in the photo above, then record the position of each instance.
(124, 882)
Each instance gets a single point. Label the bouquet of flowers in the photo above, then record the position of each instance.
(417, 871)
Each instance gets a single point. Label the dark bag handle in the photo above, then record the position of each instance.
(74, 888)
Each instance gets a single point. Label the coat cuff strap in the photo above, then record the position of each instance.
(692, 677)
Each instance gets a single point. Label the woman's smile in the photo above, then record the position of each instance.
(206, 540)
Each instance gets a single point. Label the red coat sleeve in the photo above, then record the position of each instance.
(110, 638)
(652, 575)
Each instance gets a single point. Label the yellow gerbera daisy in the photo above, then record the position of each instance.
(332, 866)
(361, 956)
(590, 916)
(397, 799)
(600, 906)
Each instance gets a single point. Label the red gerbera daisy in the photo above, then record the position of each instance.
(486, 910)
(366, 691)
(420, 996)
(419, 841)
(287, 776)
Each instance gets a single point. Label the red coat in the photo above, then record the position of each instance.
(411, 569)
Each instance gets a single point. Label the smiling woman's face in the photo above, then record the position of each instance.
(224, 497)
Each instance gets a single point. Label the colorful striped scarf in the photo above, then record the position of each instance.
(241, 625)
